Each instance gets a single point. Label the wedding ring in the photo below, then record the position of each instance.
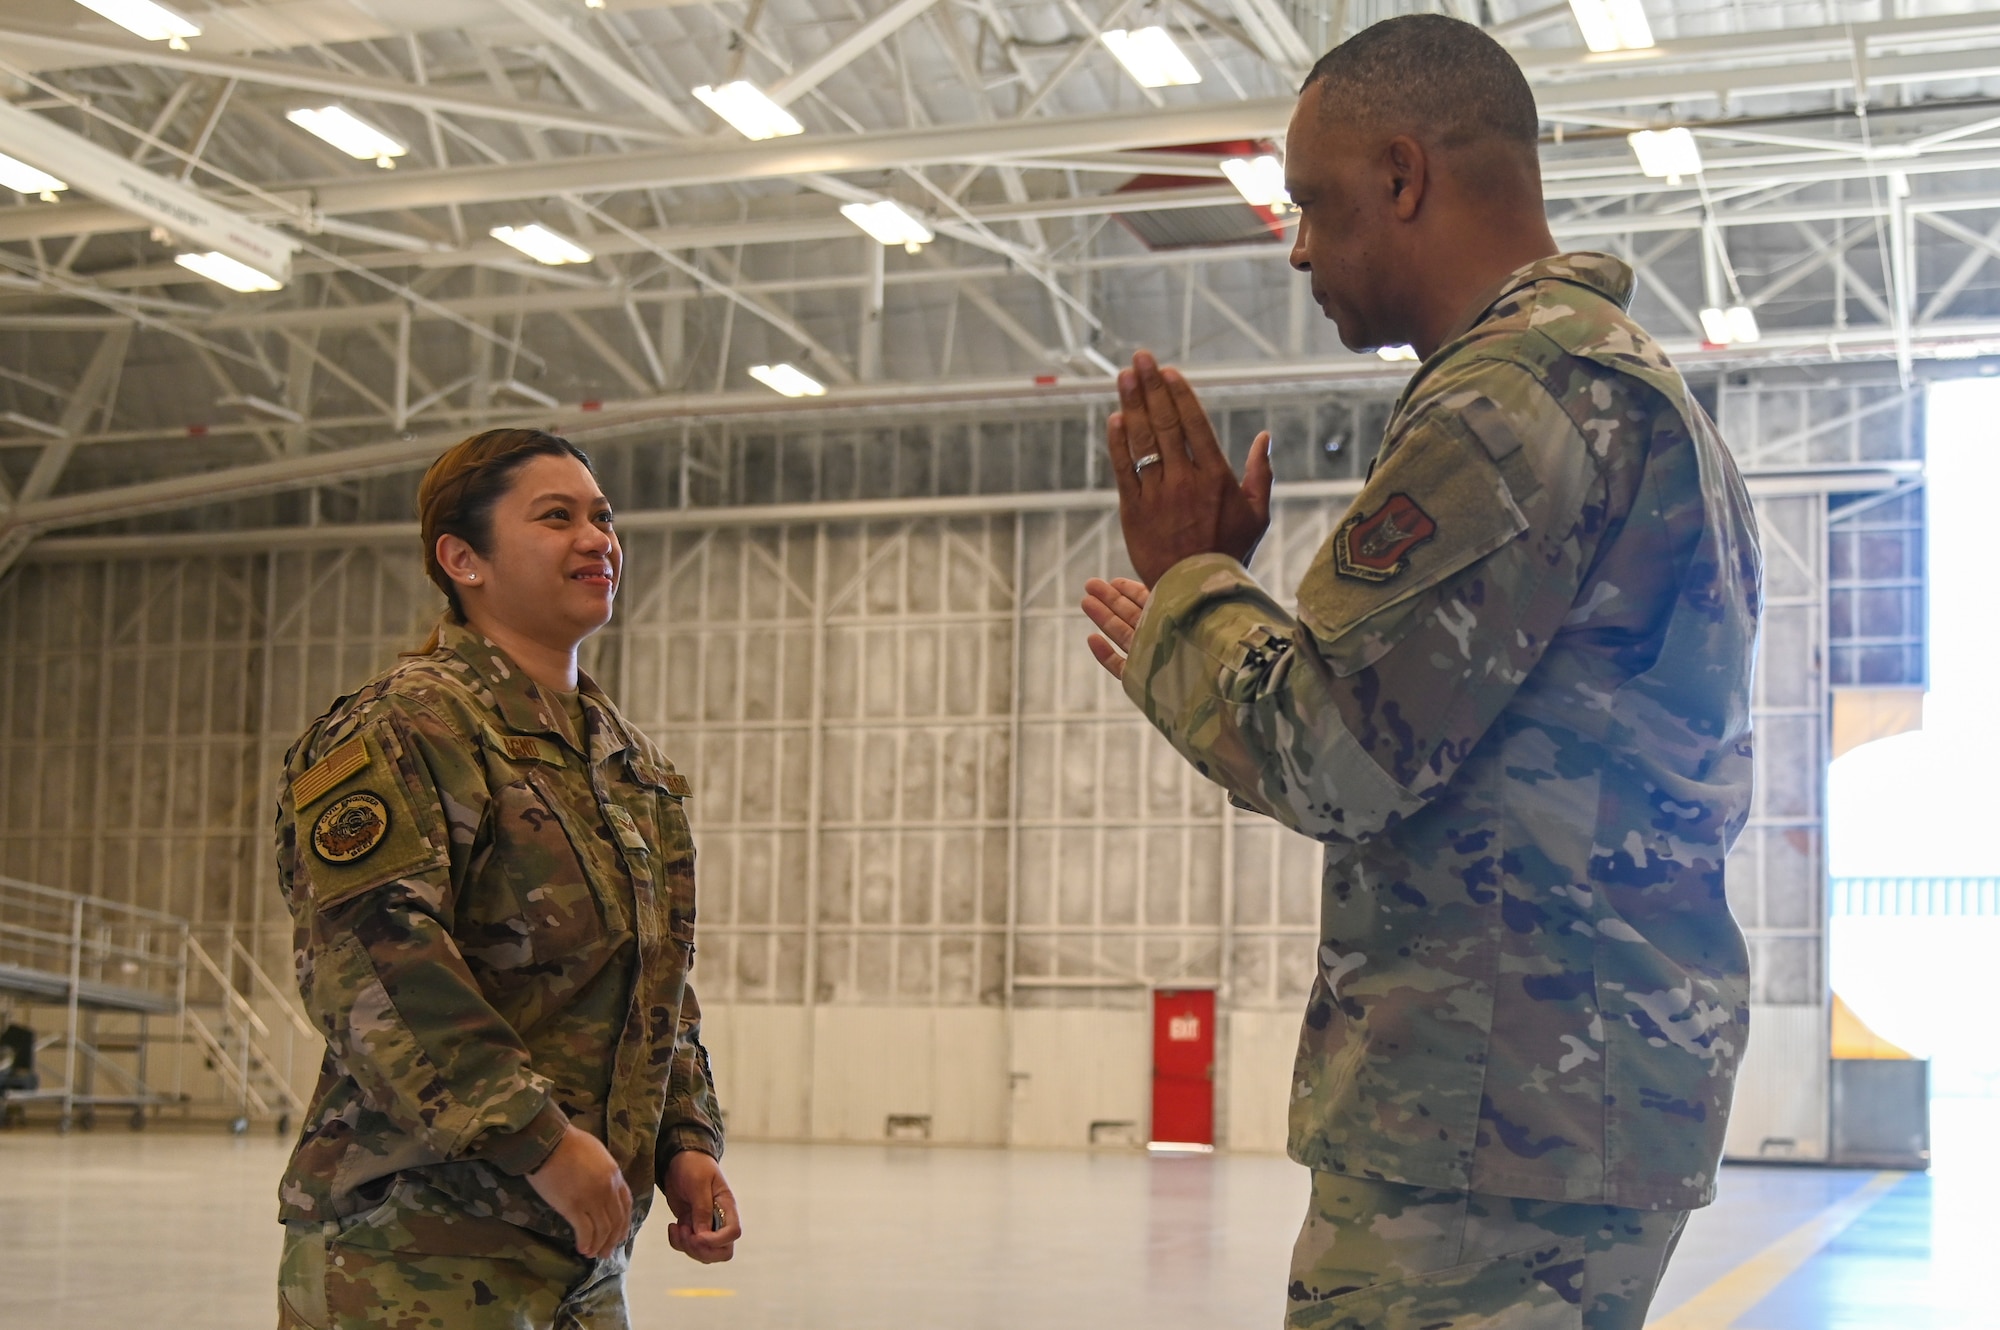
(1139, 467)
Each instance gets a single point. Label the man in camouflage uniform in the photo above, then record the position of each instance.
(494, 905)
(1513, 702)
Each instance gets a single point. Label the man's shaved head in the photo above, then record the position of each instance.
(1411, 158)
(1441, 80)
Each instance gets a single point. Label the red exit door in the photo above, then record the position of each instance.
(1184, 1066)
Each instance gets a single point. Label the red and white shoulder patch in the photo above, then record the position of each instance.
(1375, 547)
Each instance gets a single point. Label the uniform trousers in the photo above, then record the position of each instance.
(325, 1283)
(1384, 1256)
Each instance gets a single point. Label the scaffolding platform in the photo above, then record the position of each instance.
(88, 957)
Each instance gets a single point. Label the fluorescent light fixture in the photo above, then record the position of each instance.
(788, 379)
(1150, 57)
(144, 18)
(1612, 25)
(1260, 180)
(887, 221)
(265, 405)
(745, 106)
(221, 268)
(528, 393)
(349, 133)
(18, 175)
(1396, 352)
(1668, 153)
(1728, 327)
(541, 244)
(58, 432)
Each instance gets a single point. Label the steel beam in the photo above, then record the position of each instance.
(557, 29)
(155, 200)
(1761, 482)
(324, 81)
(843, 52)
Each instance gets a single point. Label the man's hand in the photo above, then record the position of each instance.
(1188, 502)
(698, 1194)
(581, 1180)
(1115, 607)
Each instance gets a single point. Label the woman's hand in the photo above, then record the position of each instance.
(581, 1180)
(705, 1224)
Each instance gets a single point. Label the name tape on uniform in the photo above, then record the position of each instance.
(527, 748)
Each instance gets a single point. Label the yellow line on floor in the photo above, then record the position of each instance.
(1717, 1306)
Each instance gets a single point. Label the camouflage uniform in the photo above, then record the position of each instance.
(1514, 704)
(494, 922)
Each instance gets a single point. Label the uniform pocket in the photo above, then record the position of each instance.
(302, 1279)
(1526, 1290)
(661, 814)
(537, 854)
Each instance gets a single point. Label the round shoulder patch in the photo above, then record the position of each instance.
(350, 827)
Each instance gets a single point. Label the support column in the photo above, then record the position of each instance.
(869, 355)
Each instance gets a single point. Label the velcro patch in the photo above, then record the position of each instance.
(355, 838)
(330, 771)
(527, 748)
(627, 830)
(1374, 547)
(350, 827)
(678, 786)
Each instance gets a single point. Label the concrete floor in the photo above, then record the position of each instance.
(115, 1231)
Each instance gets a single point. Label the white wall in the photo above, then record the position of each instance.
(1781, 1089)
(1257, 1081)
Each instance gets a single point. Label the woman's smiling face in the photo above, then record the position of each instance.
(553, 562)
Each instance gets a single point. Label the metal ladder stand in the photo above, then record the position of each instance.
(93, 958)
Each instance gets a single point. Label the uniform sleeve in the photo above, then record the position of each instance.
(1418, 620)
(693, 1117)
(385, 852)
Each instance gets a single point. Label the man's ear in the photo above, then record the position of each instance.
(1409, 175)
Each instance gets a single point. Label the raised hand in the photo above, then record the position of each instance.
(1115, 607)
(1177, 496)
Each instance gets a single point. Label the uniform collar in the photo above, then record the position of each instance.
(520, 702)
(1602, 273)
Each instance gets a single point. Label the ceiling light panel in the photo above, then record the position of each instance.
(222, 269)
(144, 18)
(18, 175)
(888, 222)
(1612, 25)
(1260, 180)
(349, 133)
(1729, 327)
(744, 106)
(1151, 57)
(788, 379)
(1666, 153)
(541, 244)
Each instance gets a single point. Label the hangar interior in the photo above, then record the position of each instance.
(947, 872)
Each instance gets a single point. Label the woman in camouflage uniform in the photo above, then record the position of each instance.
(491, 878)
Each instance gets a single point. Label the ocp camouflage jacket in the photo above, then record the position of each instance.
(1515, 705)
(494, 922)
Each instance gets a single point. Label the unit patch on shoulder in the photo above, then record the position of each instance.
(330, 770)
(1375, 547)
(350, 827)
